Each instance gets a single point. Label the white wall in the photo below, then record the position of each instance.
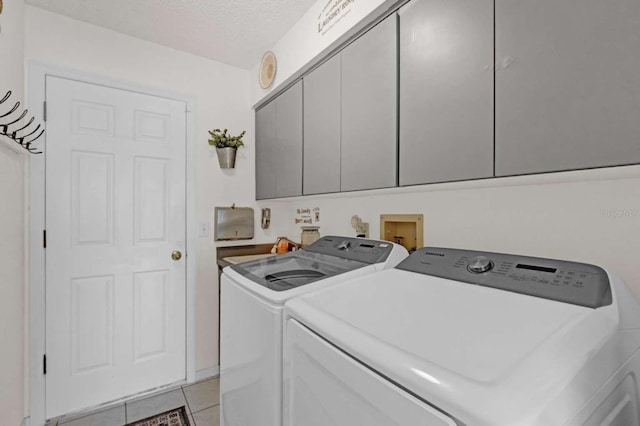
(221, 99)
(12, 284)
(588, 216)
(12, 226)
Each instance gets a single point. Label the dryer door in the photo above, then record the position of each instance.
(325, 387)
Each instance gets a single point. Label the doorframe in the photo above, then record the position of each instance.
(37, 73)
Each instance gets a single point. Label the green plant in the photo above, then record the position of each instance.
(223, 139)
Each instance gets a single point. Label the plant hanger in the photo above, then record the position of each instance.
(22, 135)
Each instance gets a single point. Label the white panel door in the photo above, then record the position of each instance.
(115, 212)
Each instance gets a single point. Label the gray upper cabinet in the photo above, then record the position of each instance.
(265, 150)
(322, 128)
(446, 90)
(369, 109)
(279, 146)
(567, 85)
(289, 142)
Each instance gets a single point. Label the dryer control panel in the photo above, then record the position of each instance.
(359, 249)
(570, 282)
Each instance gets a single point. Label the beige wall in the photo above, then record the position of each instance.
(221, 99)
(12, 227)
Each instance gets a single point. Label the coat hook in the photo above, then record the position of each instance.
(25, 126)
(15, 107)
(7, 96)
(13, 133)
(28, 134)
(23, 115)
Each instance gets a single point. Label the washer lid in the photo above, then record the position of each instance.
(466, 349)
(295, 269)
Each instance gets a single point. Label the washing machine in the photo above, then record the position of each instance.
(460, 337)
(252, 301)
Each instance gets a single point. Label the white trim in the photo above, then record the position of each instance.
(191, 244)
(37, 73)
(207, 373)
(36, 258)
(27, 292)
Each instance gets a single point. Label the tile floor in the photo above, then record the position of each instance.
(201, 400)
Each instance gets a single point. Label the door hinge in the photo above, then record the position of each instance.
(44, 110)
(44, 363)
(44, 238)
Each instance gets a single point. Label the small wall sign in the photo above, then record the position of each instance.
(307, 216)
(332, 12)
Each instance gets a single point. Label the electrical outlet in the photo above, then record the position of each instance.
(204, 229)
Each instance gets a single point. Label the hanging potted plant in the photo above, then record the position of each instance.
(226, 146)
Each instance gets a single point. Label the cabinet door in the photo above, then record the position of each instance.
(265, 155)
(322, 129)
(289, 142)
(369, 109)
(446, 90)
(567, 84)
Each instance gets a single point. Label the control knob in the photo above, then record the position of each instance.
(480, 264)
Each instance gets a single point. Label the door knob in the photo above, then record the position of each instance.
(176, 255)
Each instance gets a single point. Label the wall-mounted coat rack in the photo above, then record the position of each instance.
(23, 135)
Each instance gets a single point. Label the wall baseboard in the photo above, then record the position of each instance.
(207, 373)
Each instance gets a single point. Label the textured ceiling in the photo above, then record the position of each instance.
(236, 32)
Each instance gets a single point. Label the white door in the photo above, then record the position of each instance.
(115, 212)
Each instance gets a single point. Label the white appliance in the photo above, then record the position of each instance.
(457, 337)
(253, 297)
